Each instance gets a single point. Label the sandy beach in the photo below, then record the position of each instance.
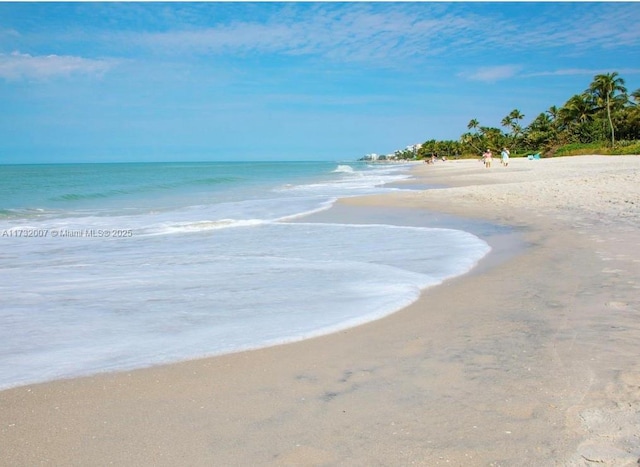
(529, 360)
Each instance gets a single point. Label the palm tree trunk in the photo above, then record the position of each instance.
(610, 122)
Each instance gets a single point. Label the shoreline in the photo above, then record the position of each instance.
(528, 362)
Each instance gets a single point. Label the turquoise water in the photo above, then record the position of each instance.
(108, 267)
(129, 186)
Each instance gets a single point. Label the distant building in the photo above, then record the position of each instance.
(409, 152)
(371, 157)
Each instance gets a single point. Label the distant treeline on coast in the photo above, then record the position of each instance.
(603, 119)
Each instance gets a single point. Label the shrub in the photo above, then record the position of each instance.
(603, 148)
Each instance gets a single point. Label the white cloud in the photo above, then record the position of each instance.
(588, 26)
(383, 32)
(9, 33)
(358, 33)
(17, 65)
(583, 71)
(491, 74)
(404, 36)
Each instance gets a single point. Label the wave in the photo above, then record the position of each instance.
(344, 169)
(201, 226)
(214, 180)
(21, 213)
(83, 196)
(143, 189)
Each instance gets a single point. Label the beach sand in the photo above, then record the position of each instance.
(532, 359)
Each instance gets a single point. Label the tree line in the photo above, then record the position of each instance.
(604, 115)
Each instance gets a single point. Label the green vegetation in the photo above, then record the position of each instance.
(577, 149)
(603, 119)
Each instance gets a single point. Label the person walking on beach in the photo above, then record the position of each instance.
(505, 156)
(487, 156)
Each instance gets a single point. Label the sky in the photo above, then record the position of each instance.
(119, 82)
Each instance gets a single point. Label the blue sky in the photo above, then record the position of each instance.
(289, 81)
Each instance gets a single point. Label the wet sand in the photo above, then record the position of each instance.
(531, 359)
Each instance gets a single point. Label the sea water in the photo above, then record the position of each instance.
(110, 267)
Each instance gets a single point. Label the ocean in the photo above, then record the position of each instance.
(112, 267)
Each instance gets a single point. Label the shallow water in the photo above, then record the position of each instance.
(119, 266)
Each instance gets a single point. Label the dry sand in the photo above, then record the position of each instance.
(531, 362)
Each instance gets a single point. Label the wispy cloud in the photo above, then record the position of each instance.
(391, 35)
(17, 66)
(9, 33)
(397, 32)
(491, 74)
(357, 33)
(583, 71)
(598, 25)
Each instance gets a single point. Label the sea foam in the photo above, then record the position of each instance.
(205, 271)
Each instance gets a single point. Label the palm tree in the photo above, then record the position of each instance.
(511, 121)
(553, 115)
(468, 138)
(540, 131)
(636, 96)
(604, 88)
(553, 112)
(578, 109)
(516, 115)
(573, 118)
(491, 137)
(542, 122)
